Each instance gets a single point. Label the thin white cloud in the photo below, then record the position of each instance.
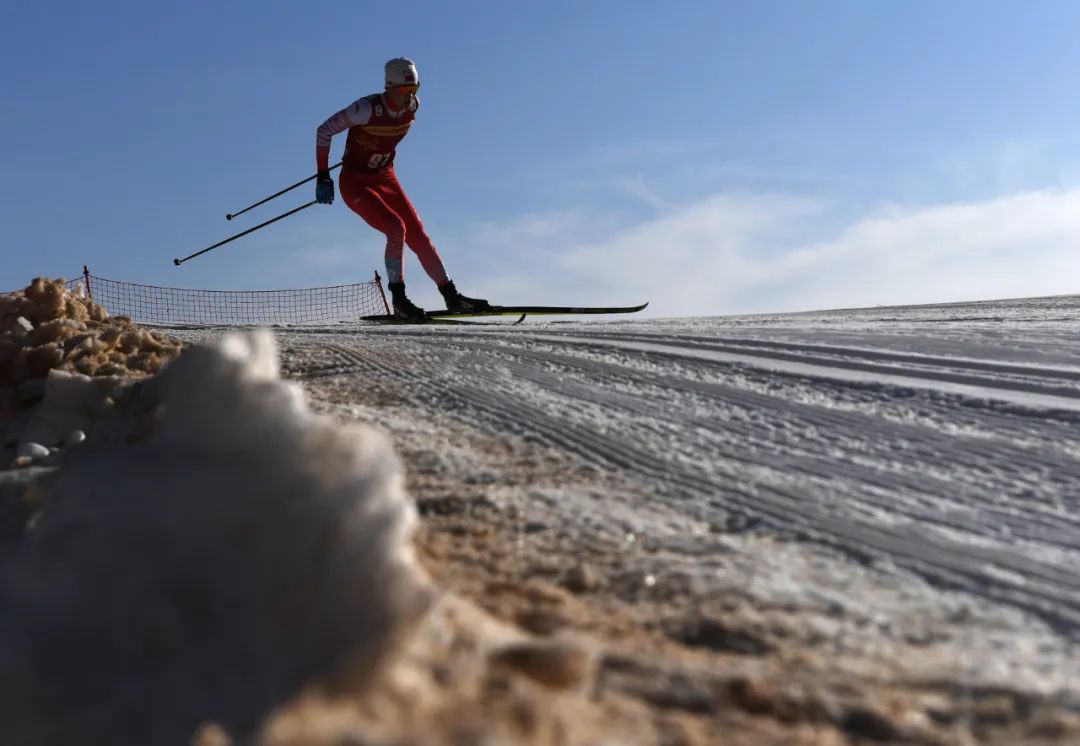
(638, 187)
(533, 227)
(1021, 245)
(757, 253)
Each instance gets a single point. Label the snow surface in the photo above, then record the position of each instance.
(197, 569)
(907, 475)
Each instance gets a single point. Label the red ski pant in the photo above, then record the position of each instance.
(379, 199)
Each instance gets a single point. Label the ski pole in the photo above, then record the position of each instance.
(178, 262)
(231, 215)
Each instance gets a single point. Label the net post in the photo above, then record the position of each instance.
(378, 284)
(86, 276)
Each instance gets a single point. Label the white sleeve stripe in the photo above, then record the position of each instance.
(358, 112)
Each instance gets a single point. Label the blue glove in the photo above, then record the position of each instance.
(324, 188)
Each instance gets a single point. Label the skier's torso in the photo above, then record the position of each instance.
(371, 145)
(374, 128)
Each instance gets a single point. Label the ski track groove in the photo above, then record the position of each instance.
(999, 417)
(667, 345)
(1033, 569)
(836, 354)
(916, 441)
(885, 477)
(794, 462)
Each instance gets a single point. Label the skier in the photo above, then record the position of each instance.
(369, 186)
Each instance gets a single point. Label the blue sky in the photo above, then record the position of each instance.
(712, 157)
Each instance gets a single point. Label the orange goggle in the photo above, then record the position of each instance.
(411, 88)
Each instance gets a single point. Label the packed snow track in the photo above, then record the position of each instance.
(939, 443)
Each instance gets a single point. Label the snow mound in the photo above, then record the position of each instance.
(208, 571)
(46, 326)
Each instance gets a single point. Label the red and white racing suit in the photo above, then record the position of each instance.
(368, 184)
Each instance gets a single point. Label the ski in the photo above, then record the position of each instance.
(520, 311)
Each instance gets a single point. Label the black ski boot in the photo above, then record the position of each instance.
(404, 309)
(458, 303)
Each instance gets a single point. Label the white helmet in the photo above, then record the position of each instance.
(401, 71)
